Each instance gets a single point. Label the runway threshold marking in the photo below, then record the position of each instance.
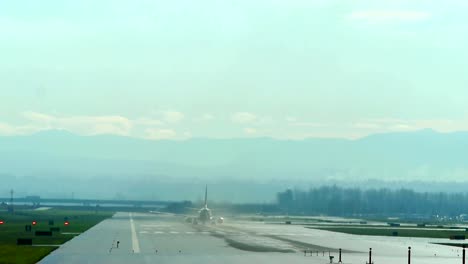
(135, 242)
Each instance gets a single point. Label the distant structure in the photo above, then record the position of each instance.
(34, 199)
(10, 207)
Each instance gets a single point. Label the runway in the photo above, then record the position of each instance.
(149, 238)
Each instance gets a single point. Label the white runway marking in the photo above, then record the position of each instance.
(135, 242)
(42, 208)
(154, 225)
(158, 232)
(174, 232)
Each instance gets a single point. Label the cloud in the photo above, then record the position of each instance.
(376, 16)
(266, 121)
(404, 127)
(39, 117)
(6, 129)
(382, 125)
(293, 121)
(366, 125)
(11, 130)
(244, 118)
(306, 124)
(85, 125)
(248, 123)
(143, 127)
(173, 116)
(187, 135)
(144, 121)
(250, 131)
(207, 117)
(160, 134)
(204, 118)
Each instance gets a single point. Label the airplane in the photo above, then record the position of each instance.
(204, 214)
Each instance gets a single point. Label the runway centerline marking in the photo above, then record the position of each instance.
(135, 242)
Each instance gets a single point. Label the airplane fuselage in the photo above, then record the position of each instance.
(204, 215)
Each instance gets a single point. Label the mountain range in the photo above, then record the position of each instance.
(133, 167)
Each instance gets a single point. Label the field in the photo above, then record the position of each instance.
(380, 227)
(13, 227)
(402, 232)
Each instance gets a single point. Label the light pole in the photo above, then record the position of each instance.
(11, 201)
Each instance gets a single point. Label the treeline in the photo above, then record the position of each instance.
(187, 207)
(336, 201)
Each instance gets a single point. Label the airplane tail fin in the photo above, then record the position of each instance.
(206, 196)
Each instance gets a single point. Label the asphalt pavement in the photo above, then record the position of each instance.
(151, 238)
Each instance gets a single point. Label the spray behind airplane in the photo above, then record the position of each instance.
(204, 214)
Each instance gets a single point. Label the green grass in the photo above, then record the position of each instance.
(14, 228)
(326, 225)
(402, 232)
(12, 254)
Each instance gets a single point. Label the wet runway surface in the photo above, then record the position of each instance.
(148, 238)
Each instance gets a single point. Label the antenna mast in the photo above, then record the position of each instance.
(206, 196)
(10, 208)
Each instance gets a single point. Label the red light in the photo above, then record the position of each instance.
(66, 223)
(1, 222)
(34, 222)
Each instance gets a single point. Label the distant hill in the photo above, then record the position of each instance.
(410, 156)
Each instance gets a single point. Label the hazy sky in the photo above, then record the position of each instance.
(218, 68)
